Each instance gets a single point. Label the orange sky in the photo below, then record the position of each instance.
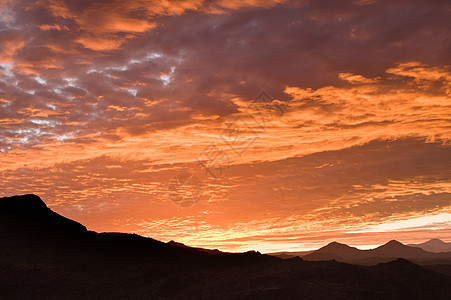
(103, 104)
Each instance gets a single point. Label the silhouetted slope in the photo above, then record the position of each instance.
(29, 213)
(181, 245)
(59, 259)
(27, 223)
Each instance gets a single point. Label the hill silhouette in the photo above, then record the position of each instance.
(46, 256)
(384, 253)
(394, 248)
(433, 245)
(337, 251)
(29, 212)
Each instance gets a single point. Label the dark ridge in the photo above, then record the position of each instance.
(27, 205)
(181, 245)
(30, 213)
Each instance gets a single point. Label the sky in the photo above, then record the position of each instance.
(237, 125)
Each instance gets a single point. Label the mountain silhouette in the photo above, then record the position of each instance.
(26, 222)
(384, 253)
(337, 251)
(46, 256)
(434, 245)
(31, 213)
(396, 249)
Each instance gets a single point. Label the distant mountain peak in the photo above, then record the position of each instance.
(435, 241)
(337, 245)
(334, 250)
(434, 245)
(393, 243)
